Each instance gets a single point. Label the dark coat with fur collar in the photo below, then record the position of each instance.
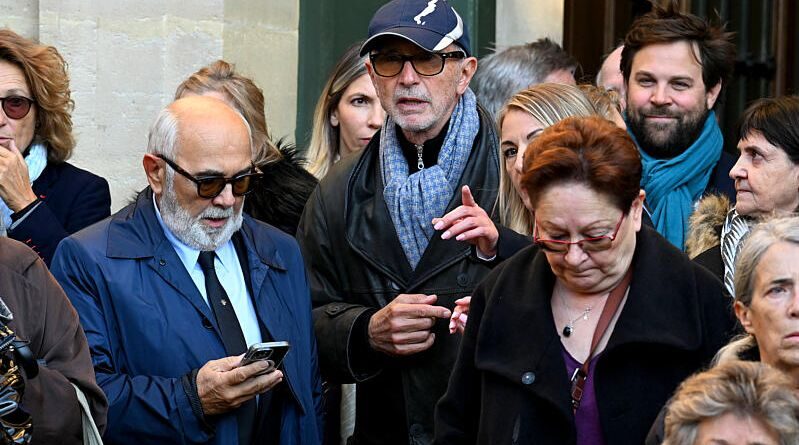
(510, 385)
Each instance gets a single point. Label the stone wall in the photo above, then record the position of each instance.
(126, 58)
(522, 21)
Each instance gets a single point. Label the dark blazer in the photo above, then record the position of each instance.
(47, 321)
(356, 266)
(72, 199)
(148, 326)
(510, 384)
(711, 260)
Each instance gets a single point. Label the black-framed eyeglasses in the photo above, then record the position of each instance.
(210, 187)
(590, 244)
(424, 63)
(16, 107)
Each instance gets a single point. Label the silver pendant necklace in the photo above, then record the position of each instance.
(419, 158)
(569, 328)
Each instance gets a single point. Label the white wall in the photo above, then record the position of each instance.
(127, 57)
(521, 21)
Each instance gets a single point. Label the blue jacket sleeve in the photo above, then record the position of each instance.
(142, 409)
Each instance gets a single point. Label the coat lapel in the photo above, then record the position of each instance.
(267, 271)
(369, 228)
(134, 233)
(518, 335)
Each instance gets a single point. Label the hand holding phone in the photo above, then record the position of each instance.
(272, 352)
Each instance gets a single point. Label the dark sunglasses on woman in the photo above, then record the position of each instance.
(16, 107)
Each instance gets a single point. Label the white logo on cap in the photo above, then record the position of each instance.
(431, 6)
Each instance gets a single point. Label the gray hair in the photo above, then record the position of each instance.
(763, 236)
(745, 389)
(163, 136)
(502, 74)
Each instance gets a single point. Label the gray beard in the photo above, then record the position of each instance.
(190, 229)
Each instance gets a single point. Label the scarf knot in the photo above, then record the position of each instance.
(673, 185)
(414, 200)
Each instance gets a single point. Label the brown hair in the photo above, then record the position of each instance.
(46, 73)
(777, 119)
(665, 24)
(586, 150)
(243, 94)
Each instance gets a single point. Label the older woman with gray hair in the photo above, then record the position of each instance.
(766, 302)
(734, 403)
(766, 182)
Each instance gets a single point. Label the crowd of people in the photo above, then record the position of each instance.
(466, 252)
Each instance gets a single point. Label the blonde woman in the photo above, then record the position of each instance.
(521, 120)
(347, 114)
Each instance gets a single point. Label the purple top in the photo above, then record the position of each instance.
(586, 419)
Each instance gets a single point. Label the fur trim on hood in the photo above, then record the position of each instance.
(705, 224)
(743, 347)
(280, 195)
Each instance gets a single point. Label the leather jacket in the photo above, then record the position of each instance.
(357, 266)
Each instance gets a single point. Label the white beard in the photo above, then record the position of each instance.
(190, 229)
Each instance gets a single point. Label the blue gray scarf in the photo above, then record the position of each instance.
(36, 161)
(413, 201)
(673, 185)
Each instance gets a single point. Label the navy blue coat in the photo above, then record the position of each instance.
(71, 200)
(148, 325)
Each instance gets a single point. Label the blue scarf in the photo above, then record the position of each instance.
(673, 185)
(413, 201)
(36, 161)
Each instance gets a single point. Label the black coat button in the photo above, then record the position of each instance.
(162, 262)
(207, 323)
(463, 280)
(528, 378)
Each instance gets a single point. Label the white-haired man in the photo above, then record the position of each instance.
(173, 288)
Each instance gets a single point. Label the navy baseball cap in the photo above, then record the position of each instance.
(430, 24)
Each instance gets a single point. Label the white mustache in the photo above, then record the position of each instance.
(216, 212)
(416, 93)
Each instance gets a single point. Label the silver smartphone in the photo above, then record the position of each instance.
(272, 352)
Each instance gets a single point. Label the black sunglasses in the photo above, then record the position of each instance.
(210, 187)
(16, 107)
(424, 63)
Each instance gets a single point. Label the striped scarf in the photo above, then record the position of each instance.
(733, 234)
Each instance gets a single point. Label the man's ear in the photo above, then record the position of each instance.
(744, 315)
(154, 168)
(712, 95)
(468, 68)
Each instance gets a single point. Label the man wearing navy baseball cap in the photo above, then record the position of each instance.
(383, 280)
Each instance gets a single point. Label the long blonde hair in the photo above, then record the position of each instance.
(548, 103)
(323, 150)
(245, 97)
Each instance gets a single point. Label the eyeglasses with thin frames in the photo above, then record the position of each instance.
(590, 244)
(424, 63)
(209, 187)
(16, 107)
